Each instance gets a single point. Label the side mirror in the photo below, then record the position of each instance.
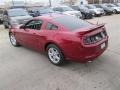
(22, 27)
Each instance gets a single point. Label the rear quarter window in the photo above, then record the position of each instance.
(72, 23)
(51, 26)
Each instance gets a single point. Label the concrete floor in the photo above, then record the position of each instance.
(24, 69)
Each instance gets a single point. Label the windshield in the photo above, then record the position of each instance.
(17, 12)
(111, 5)
(91, 7)
(97, 6)
(67, 9)
(104, 6)
(42, 10)
(45, 10)
(85, 8)
(71, 23)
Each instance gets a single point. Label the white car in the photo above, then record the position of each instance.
(116, 8)
(67, 11)
(96, 11)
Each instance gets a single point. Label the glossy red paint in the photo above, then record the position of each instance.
(71, 43)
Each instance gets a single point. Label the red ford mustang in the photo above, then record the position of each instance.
(62, 38)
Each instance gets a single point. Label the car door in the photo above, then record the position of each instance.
(30, 35)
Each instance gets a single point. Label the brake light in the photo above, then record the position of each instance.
(94, 38)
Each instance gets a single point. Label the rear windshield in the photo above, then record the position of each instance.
(71, 23)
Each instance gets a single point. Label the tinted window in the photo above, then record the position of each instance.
(75, 7)
(35, 24)
(91, 7)
(67, 8)
(72, 23)
(51, 26)
(97, 6)
(83, 8)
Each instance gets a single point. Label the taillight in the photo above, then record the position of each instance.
(94, 38)
(87, 40)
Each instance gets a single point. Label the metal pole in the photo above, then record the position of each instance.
(12, 2)
(25, 3)
(50, 3)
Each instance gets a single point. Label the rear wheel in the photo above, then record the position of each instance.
(13, 40)
(55, 55)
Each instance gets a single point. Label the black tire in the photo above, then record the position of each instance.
(6, 27)
(114, 12)
(1, 22)
(83, 16)
(16, 44)
(61, 61)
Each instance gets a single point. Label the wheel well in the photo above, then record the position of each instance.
(47, 45)
(54, 44)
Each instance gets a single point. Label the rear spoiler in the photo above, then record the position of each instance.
(89, 29)
(96, 26)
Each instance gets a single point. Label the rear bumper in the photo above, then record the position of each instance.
(88, 16)
(85, 54)
(100, 14)
(109, 12)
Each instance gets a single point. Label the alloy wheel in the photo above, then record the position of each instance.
(13, 40)
(54, 55)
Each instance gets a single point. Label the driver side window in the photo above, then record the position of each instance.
(34, 24)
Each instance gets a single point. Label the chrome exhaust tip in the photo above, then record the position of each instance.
(89, 61)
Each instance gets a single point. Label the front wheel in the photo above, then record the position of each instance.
(55, 55)
(83, 16)
(114, 11)
(6, 27)
(13, 40)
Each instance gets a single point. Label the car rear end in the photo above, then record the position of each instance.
(89, 15)
(92, 43)
(82, 41)
(102, 11)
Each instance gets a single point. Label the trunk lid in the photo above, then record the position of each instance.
(93, 34)
(92, 28)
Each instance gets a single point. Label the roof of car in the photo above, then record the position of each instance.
(49, 16)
